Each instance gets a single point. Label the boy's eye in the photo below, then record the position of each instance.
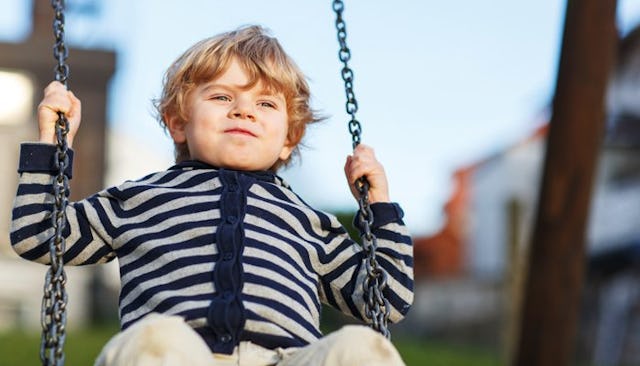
(267, 104)
(223, 98)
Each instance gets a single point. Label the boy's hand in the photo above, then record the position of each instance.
(363, 162)
(58, 99)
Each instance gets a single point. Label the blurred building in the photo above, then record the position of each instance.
(25, 69)
(490, 214)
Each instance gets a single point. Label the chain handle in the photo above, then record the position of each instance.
(377, 308)
(53, 315)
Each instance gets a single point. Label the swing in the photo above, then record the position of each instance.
(377, 308)
(54, 302)
(53, 316)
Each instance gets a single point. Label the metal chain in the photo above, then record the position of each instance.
(377, 307)
(54, 302)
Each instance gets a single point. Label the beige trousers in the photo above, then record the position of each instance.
(161, 340)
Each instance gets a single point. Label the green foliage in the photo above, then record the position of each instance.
(346, 219)
(416, 352)
(19, 348)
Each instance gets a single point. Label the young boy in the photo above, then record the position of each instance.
(221, 263)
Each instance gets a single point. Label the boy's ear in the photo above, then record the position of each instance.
(286, 150)
(175, 125)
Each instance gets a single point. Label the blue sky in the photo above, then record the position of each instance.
(440, 84)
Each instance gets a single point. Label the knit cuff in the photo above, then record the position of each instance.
(383, 213)
(40, 158)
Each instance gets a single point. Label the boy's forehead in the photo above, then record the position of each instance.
(240, 73)
(260, 84)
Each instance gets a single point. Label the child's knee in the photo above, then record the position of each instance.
(361, 345)
(164, 333)
(156, 339)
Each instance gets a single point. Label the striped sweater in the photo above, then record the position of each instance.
(237, 254)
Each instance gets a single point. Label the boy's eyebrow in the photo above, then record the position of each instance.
(211, 85)
(206, 88)
(273, 94)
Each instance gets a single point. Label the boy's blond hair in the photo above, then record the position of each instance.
(262, 58)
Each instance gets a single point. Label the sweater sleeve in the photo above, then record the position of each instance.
(344, 273)
(87, 238)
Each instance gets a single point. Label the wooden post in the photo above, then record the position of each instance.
(556, 267)
(514, 278)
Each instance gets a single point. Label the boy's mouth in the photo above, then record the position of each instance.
(239, 131)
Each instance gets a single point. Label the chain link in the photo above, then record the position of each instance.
(377, 308)
(53, 315)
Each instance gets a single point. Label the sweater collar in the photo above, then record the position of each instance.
(262, 175)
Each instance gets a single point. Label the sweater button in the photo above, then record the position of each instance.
(232, 219)
(225, 338)
(227, 256)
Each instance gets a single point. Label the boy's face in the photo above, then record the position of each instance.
(232, 127)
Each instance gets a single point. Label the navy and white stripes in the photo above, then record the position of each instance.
(237, 254)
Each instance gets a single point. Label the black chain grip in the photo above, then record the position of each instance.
(377, 308)
(53, 316)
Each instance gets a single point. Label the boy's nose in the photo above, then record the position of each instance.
(243, 115)
(243, 111)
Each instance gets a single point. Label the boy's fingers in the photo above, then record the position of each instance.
(54, 87)
(363, 149)
(76, 105)
(59, 100)
(354, 170)
(52, 110)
